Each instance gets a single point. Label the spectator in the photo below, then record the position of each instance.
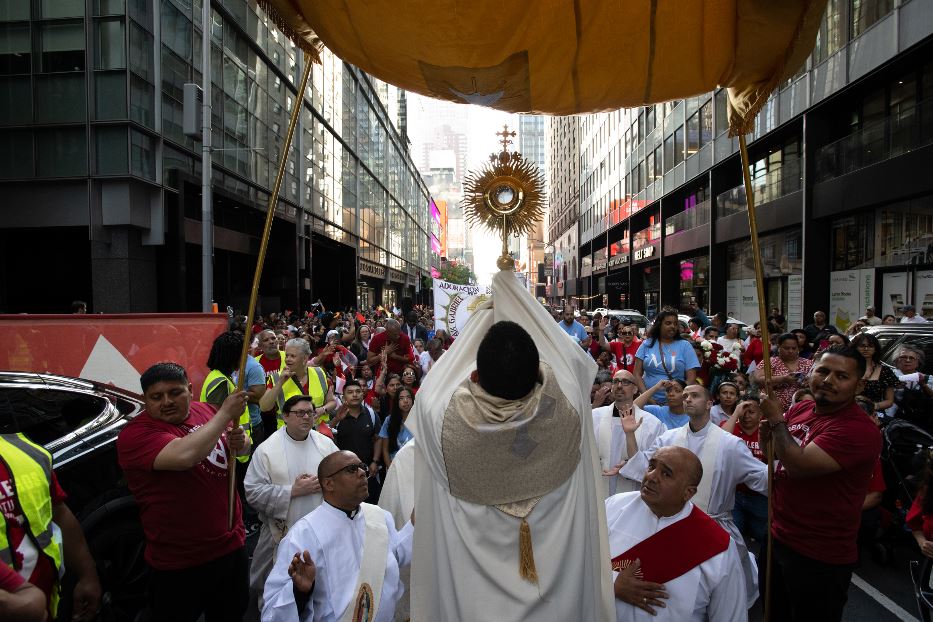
(731, 338)
(751, 508)
(870, 318)
(571, 326)
(913, 396)
(788, 370)
(395, 344)
(889, 320)
(672, 413)
(174, 455)
(801, 395)
(625, 346)
(356, 427)
(920, 516)
(298, 378)
(741, 383)
(696, 328)
(431, 355)
(360, 345)
(272, 360)
(410, 379)
(711, 333)
(79, 307)
(726, 398)
(818, 326)
(413, 329)
(754, 350)
(880, 379)
(444, 336)
(418, 345)
(665, 355)
(601, 393)
(826, 451)
(911, 317)
(20, 601)
(394, 434)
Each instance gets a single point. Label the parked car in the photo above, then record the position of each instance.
(631, 314)
(892, 336)
(78, 421)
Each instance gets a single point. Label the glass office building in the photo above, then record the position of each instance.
(102, 187)
(839, 160)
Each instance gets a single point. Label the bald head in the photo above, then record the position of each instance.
(623, 387)
(684, 460)
(671, 480)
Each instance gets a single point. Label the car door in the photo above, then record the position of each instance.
(47, 414)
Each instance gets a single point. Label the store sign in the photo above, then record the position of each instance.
(368, 268)
(850, 292)
(548, 264)
(395, 275)
(618, 260)
(600, 264)
(644, 253)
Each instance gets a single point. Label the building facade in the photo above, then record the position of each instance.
(839, 162)
(98, 173)
(563, 167)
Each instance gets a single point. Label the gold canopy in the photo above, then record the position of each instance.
(565, 57)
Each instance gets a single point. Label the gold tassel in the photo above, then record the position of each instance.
(526, 555)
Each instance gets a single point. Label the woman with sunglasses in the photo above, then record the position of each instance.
(625, 346)
(394, 434)
(410, 378)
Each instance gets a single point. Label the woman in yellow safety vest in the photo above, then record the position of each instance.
(223, 361)
(299, 379)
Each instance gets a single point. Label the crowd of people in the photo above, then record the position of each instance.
(681, 417)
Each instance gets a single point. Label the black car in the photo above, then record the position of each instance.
(892, 336)
(78, 421)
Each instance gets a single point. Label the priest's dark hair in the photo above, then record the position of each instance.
(507, 361)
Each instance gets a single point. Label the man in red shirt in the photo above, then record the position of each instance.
(826, 451)
(174, 455)
(624, 346)
(396, 343)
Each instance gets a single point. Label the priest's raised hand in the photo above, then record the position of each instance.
(303, 572)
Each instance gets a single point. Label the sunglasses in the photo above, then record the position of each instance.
(350, 469)
(304, 414)
(626, 333)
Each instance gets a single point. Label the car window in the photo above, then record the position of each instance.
(45, 415)
(890, 344)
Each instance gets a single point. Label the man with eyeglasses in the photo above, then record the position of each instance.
(625, 345)
(281, 482)
(341, 561)
(614, 425)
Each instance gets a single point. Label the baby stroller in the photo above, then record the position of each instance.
(903, 453)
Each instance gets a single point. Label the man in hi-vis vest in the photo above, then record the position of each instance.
(36, 527)
(299, 379)
(340, 562)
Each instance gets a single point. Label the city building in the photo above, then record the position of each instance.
(563, 166)
(839, 161)
(102, 186)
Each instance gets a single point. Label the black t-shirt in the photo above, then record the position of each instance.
(358, 435)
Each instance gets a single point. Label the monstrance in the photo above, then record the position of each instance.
(505, 196)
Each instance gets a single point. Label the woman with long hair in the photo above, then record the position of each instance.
(394, 434)
(360, 345)
(665, 355)
(880, 380)
(409, 377)
(788, 370)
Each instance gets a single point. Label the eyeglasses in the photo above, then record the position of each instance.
(626, 383)
(350, 469)
(304, 414)
(626, 333)
(408, 373)
(907, 357)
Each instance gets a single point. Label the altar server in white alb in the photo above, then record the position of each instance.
(670, 561)
(340, 562)
(620, 429)
(281, 483)
(727, 462)
(508, 497)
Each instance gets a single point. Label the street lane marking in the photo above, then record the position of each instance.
(883, 600)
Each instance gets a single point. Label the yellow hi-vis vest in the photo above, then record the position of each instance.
(30, 468)
(269, 374)
(317, 391)
(213, 380)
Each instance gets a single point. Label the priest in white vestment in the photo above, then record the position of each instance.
(281, 482)
(727, 462)
(609, 425)
(510, 520)
(340, 563)
(398, 499)
(671, 563)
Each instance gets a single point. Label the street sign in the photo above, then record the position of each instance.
(548, 264)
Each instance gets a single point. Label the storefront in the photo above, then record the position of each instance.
(646, 267)
(782, 266)
(370, 284)
(693, 276)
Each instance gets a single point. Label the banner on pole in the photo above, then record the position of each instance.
(454, 304)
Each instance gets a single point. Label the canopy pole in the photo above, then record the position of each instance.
(260, 260)
(766, 347)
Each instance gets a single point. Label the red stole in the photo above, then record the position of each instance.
(676, 549)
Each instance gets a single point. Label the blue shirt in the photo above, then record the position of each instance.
(678, 358)
(255, 375)
(575, 330)
(665, 416)
(403, 436)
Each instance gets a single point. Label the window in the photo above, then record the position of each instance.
(142, 101)
(61, 152)
(831, 34)
(109, 7)
(668, 153)
(62, 8)
(14, 10)
(45, 415)
(111, 48)
(16, 156)
(111, 150)
(15, 100)
(62, 47)
(142, 154)
(110, 95)
(864, 13)
(693, 134)
(14, 49)
(706, 123)
(678, 145)
(60, 98)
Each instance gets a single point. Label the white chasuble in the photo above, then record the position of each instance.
(467, 554)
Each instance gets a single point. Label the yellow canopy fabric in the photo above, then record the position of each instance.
(565, 57)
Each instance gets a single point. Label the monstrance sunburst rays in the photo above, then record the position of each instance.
(505, 196)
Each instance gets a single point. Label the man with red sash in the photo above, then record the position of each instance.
(670, 561)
